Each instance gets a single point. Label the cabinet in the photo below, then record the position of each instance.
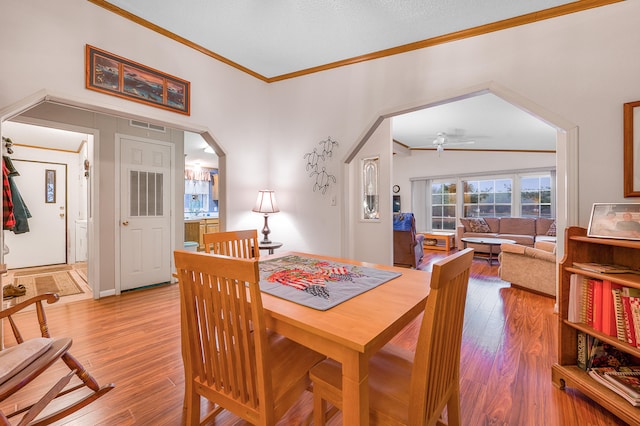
(207, 226)
(192, 230)
(580, 248)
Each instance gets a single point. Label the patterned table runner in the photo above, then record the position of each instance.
(317, 283)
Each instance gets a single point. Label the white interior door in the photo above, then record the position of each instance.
(145, 220)
(42, 187)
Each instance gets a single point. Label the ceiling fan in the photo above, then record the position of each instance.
(442, 139)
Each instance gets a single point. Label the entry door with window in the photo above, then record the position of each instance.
(145, 222)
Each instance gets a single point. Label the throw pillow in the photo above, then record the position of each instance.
(478, 224)
(552, 230)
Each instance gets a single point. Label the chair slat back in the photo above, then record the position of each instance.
(224, 333)
(436, 370)
(242, 243)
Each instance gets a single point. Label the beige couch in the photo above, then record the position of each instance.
(523, 230)
(533, 268)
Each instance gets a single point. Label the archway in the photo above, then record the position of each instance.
(60, 118)
(566, 166)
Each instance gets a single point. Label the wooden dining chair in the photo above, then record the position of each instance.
(242, 244)
(233, 361)
(28, 358)
(407, 388)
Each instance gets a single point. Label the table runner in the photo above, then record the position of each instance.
(318, 283)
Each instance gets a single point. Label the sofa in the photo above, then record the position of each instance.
(408, 248)
(533, 268)
(525, 231)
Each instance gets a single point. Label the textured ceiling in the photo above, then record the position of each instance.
(278, 37)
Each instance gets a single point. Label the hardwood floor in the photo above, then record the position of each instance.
(509, 345)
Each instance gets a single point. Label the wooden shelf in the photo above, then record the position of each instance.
(580, 248)
(574, 377)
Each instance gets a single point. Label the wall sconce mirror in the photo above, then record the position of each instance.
(370, 188)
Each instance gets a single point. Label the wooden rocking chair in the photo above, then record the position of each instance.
(22, 363)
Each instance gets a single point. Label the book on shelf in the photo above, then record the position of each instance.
(603, 354)
(626, 379)
(574, 313)
(634, 304)
(618, 308)
(609, 321)
(598, 374)
(627, 313)
(605, 268)
(585, 346)
(597, 303)
(589, 306)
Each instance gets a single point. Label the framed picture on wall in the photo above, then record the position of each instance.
(631, 149)
(117, 76)
(620, 221)
(396, 204)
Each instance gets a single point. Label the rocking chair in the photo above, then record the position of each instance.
(22, 363)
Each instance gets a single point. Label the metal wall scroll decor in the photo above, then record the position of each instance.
(316, 165)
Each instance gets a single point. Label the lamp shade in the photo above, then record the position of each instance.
(266, 202)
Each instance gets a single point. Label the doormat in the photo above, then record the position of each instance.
(42, 270)
(62, 282)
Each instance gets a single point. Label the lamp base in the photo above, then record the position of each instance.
(265, 230)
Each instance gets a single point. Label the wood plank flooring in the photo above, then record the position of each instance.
(509, 345)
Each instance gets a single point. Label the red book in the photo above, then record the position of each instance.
(608, 308)
(628, 316)
(597, 303)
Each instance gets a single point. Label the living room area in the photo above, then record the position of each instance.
(484, 156)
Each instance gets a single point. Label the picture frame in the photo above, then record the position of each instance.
(121, 77)
(619, 221)
(631, 149)
(49, 186)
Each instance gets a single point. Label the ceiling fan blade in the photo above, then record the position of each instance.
(460, 142)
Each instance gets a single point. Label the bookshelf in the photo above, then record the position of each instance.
(580, 248)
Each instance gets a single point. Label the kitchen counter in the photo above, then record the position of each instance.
(194, 218)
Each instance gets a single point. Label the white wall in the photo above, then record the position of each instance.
(580, 67)
(47, 56)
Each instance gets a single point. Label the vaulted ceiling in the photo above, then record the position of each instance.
(281, 39)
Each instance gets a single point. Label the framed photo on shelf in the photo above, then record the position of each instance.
(631, 149)
(620, 220)
(117, 76)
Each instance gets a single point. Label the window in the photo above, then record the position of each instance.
(439, 202)
(487, 198)
(443, 205)
(535, 196)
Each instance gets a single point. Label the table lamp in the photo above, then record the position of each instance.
(266, 203)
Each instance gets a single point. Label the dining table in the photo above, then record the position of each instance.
(352, 331)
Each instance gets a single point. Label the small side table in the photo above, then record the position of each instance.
(444, 240)
(269, 246)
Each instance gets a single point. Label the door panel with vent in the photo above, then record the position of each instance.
(145, 220)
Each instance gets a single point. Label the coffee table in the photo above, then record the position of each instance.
(488, 242)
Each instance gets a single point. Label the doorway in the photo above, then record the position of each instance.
(39, 191)
(101, 124)
(566, 161)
